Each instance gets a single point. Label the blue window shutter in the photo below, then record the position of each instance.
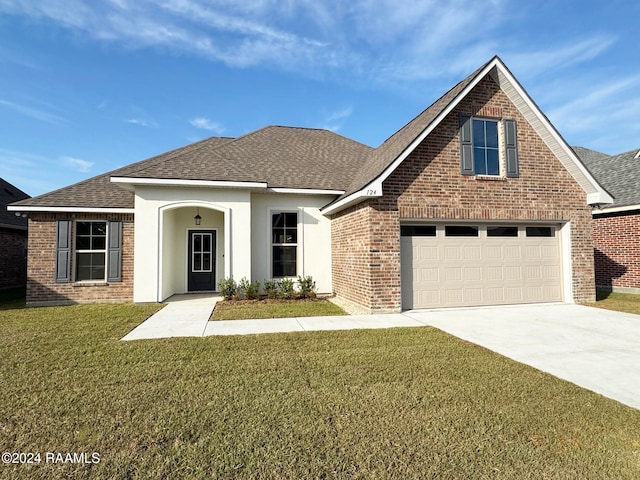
(114, 252)
(511, 148)
(466, 146)
(63, 251)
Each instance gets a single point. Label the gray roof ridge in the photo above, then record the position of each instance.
(634, 152)
(163, 157)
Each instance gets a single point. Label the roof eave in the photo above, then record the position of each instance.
(61, 209)
(129, 183)
(621, 209)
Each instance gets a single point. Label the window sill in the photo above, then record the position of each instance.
(91, 283)
(490, 178)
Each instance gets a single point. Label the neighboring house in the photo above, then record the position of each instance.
(13, 239)
(476, 201)
(616, 227)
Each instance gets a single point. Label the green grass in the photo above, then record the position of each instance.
(621, 302)
(236, 310)
(398, 403)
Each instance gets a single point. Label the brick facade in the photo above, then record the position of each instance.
(616, 240)
(429, 185)
(41, 284)
(13, 258)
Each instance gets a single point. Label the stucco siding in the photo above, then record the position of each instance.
(314, 236)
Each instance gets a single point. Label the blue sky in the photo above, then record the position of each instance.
(87, 86)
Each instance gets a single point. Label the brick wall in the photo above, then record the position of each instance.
(13, 258)
(41, 285)
(616, 240)
(429, 185)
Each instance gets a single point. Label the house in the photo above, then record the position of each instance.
(476, 201)
(13, 239)
(616, 227)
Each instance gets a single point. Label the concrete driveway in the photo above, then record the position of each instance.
(593, 348)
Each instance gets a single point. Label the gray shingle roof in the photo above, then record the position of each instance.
(10, 194)
(100, 192)
(284, 157)
(394, 146)
(618, 174)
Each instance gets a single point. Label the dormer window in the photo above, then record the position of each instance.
(488, 147)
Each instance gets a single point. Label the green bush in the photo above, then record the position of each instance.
(228, 288)
(307, 287)
(251, 290)
(286, 289)
(270, 288)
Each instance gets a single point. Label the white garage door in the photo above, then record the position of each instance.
(467, 265)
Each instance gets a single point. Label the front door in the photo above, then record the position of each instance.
(202, 261)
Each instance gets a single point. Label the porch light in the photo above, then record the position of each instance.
(198, 218)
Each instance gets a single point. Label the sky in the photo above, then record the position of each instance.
(88, 86)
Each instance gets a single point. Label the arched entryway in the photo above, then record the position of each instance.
(193, 248)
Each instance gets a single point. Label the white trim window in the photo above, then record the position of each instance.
(488, 147)
(90, 251)
(284, 244)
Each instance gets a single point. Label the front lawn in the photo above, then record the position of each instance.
(621, 302)
(398, 403)
(244, 309)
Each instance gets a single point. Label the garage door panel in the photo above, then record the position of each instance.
(495, 273)
(427, 252)
(451, 253)
(512, 252)
(445, 271)
(513, 272)
(495, 294)
(472, 274)
(472, 252)
(452, 274)
(429, 275)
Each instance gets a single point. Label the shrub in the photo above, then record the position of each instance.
(307, 287)
(228, 288)
(286, 289)
(251, 290)
(271, 288)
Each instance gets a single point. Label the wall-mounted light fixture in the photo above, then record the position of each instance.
(198, 218)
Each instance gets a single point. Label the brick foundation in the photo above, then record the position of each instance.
(429, 185)
(616, 240)
(13, 258)
(41, 285)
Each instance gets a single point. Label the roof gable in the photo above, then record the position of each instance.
(390, 155)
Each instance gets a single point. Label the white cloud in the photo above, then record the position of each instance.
(141, 122)
(335, 120)
(76, 164)
(593, 107)
(33, 173)
(206, 124)
(31, 112)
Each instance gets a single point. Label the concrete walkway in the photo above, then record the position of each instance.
(593, 348)
(183, 316)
